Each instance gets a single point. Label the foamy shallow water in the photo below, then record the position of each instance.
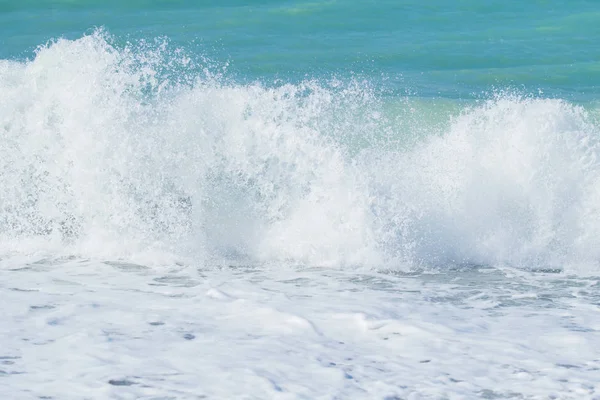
(87, 329)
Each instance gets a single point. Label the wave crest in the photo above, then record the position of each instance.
(108, 152)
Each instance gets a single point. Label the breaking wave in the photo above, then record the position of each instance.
(115, 151)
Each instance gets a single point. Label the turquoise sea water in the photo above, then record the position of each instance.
(438, 48)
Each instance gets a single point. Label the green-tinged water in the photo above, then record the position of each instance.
(438, 48)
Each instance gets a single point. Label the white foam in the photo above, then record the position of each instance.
(86, 329)
(130, 153)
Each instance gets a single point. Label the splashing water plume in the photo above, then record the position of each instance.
(111, 151)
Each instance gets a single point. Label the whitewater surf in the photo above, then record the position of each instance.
(170, 231)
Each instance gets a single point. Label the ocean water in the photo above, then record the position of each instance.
(299, 200)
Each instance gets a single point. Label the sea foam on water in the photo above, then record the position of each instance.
(112, 151)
